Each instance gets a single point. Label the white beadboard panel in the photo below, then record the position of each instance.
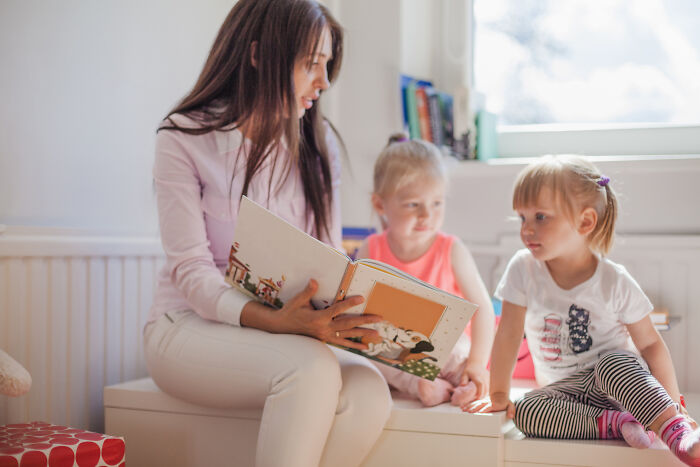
(77, 338)
(35, 312)
(114, 322)
(4, 324)
(692, 327)
(130, 318)
(95, 342)
(147, 285)
(72, 308)
(58, 320)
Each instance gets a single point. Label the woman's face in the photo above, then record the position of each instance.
(311, 74)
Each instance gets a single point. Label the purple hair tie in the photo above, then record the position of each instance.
(603, 180)
(401, 139)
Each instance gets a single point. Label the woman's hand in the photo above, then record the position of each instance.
(495, 403)
(477, 374)
(298, 316)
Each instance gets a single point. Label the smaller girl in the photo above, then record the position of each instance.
(607, 372)
(409, 196)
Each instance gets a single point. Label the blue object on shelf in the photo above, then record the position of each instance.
(486, 135)
(358, 232)
(353, 238)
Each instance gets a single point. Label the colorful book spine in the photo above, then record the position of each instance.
(447, 117)
(435, 117)
(412, 111)
(423, 114)
(410, 117)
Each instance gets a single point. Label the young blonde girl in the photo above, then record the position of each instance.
(409, 197)
(607, 372)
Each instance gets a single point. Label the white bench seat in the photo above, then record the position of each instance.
(162, 430)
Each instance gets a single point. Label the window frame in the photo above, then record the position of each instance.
(626, 140)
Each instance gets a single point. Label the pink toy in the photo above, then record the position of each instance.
(14, 379)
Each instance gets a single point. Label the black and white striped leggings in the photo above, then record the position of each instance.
(569, 408)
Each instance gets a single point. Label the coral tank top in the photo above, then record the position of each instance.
(434, 267)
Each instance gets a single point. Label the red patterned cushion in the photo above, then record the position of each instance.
(43, 444)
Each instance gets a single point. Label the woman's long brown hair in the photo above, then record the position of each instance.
(233, 92)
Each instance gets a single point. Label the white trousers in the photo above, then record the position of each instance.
(320, 404)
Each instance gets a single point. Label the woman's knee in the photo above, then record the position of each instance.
(315, 364)
(367, 392)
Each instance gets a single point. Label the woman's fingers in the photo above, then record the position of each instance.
(352, 321)
(338, 308)
(303, 297)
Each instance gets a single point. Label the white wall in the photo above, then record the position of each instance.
(83, 87)
(84, 84)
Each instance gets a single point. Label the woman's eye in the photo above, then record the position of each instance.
(522, 218)
(540, 216)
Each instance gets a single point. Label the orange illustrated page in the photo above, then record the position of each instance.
(404, 309)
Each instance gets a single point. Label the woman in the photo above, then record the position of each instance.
(251, 126)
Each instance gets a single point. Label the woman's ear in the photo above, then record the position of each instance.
(588, 219)
(254, 54)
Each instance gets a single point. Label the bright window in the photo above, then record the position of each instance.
(577, 61)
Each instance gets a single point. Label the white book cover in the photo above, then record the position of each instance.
(271, 261)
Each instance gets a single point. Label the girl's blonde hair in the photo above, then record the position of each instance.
(404, 160)
(576, 184)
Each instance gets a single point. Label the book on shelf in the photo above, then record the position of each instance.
(428, 112)
(271, 261)
(423, 113)
(447, 117)
(354, 237)
(435, 117)
(659, 316)
(408, 86)
(661, 319)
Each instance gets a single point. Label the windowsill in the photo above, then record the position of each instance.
(569, 127)
(523, 160)
(611, 164)
(623, 140)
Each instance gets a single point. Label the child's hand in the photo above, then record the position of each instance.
(479, 375)
(497, 402)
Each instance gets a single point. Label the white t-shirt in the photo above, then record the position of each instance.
(568, 330)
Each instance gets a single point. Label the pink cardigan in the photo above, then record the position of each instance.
(197, 215)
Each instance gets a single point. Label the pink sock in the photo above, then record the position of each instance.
(434, 392)
(463, 395)
(613, 424)
(682, 440)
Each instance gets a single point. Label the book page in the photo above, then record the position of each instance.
(271, 260)
(421, 323)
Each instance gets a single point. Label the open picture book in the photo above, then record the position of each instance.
(271, 261)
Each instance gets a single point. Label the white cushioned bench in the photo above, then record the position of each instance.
(162, 430)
